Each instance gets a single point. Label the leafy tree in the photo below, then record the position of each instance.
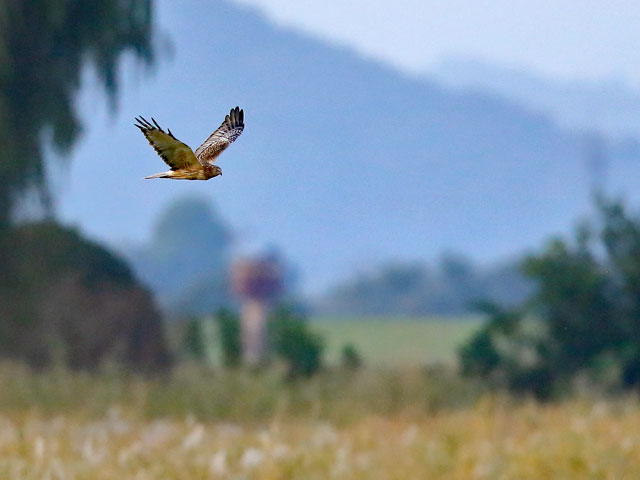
(63, 297)
(44, 46)
(583, 315)
(621, 238)
(70, 300)
(508, 352)
(292, 341)
(479, 356)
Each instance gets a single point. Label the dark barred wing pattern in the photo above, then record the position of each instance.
(225, 135)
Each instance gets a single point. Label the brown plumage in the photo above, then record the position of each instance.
(184, 162)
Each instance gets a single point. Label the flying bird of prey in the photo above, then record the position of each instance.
(184, 162)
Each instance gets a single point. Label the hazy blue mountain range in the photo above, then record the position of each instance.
(344, 162)
(610, 106)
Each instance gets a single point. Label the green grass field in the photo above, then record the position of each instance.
(396, 341)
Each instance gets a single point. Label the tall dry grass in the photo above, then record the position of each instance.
(491, 440)
(373, 424)
(238, 395)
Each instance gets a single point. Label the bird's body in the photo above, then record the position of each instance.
(185, 163)
(205, 172)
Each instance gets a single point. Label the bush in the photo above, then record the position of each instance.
(351, 359)
(583, 315)
(292, 341)
(68, 300)
(230, 338)
(479, 357)
(194, 339)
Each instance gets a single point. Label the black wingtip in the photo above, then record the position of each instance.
(236, 117)
(144, 123)
(140, 124)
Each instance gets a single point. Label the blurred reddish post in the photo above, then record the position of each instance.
(258, 282)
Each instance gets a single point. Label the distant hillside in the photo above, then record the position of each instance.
(343, 162)
(608, 106)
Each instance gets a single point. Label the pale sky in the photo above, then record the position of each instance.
(597, 40)
(558, 38)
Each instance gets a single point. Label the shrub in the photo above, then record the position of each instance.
(581, 318)
(230, 338)
(66, 299)
(194, 339)
(351, 359)
(292, 341)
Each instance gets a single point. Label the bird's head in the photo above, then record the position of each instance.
(216, 170)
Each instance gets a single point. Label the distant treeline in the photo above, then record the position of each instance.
(453, 286)
(187, 259)
(187, 282)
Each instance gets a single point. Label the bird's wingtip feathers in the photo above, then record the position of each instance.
(235, 117)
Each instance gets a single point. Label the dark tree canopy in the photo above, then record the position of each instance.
(71, 301)
(64, 299)
(44, 45)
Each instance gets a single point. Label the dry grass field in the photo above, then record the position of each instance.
(373, 424)
(493, 439)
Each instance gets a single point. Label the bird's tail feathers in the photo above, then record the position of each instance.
(158, 175)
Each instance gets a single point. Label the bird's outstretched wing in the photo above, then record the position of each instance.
(224, 136)
(174, 153)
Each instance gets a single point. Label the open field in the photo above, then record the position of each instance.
(381, 422)
(493, 439)
(376, 424)
(235, 395)
(397, 341)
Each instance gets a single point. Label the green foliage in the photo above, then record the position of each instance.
(293, 341)
(583, 315)
(508, 351)
(230, 339)
(71, 301)
(479, 356)
(351, 359)
(239, 395)
(44, 47)
(63, 298)
(194, 339)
